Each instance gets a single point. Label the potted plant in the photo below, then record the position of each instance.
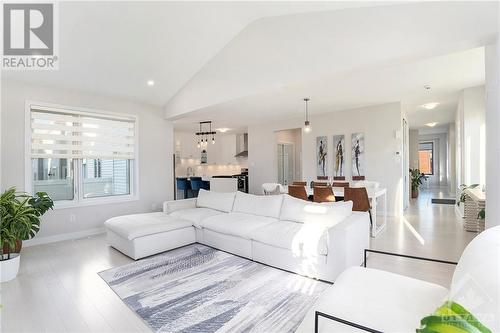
(416, 181)
(20, 220)
(481, 215)
(461, 200)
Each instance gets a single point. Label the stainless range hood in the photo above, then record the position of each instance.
(241, 145)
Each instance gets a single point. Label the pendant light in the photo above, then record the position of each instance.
(307, 126)
(204, 135)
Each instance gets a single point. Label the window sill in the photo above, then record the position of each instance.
(94, 201)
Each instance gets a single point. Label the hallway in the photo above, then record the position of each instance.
(426, 230)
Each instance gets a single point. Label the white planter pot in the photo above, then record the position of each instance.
(9, 268)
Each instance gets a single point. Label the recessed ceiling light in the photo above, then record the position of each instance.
(150, 83)
(222, 130)
(431, 124)
(430, 106)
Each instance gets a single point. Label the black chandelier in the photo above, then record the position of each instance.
(203, 135)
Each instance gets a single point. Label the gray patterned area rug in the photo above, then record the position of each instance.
(199, 289)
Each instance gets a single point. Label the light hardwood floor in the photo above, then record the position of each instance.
(58, 288)
(426, 230)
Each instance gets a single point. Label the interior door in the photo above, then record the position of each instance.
(281, 176)
(286, 163)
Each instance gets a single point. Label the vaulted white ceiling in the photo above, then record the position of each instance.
(446, 75)
(341, 59)
(114, 47)
(242, 62)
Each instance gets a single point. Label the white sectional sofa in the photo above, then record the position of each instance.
(316, 240)
(142, 235)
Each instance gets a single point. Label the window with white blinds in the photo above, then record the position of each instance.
(80, 157)
(66, 134)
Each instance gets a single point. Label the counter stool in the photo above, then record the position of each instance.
(196, 185)
(183, 185)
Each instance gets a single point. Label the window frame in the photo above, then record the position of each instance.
(432, 156)
(78, 199)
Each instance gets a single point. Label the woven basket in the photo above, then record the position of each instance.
(471, 209)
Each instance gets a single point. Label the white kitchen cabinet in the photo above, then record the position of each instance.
(228, 149)
(187, 145)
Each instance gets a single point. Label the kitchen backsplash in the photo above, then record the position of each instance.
(181, 169)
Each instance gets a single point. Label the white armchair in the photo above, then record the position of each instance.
(366, 299)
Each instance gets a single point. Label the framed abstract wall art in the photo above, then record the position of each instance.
(338, 156)
(321, 157)
(358, 156)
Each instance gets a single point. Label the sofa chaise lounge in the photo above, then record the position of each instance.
(315, 240)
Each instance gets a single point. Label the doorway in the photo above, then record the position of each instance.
(286, 163)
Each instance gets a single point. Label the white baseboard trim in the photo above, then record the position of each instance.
(63, 237)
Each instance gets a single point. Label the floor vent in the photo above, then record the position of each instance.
(443, 201)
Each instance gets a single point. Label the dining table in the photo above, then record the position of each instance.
(378, 202)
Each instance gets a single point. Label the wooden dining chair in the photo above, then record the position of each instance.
(300, 183)
(340, 184)
(297, 191)
(359, 198)
(323, 194)
(314, 184)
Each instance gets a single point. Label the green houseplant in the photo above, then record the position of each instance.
(481, 215)
(20, 220)
(462, 188)
(416, 180)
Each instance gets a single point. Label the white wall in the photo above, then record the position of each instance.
(493, 134)
(413, 151)
(379, 123)
(470, 134)
(412, 154)
(155, 156)
(452, 186)
(459, 133)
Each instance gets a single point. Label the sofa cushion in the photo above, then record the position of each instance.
(236, 224)
(326, 214)
(215, 200)
(195, 215)
(377, 299)
(268, 205)
(139, 225)
(301, 239)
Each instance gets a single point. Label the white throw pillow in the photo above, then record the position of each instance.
(324, 214)
(268, 205)
(216, 200)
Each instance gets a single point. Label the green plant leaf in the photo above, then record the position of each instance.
(20, 216)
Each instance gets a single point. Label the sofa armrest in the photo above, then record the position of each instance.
(172, 206)
(346, 242)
